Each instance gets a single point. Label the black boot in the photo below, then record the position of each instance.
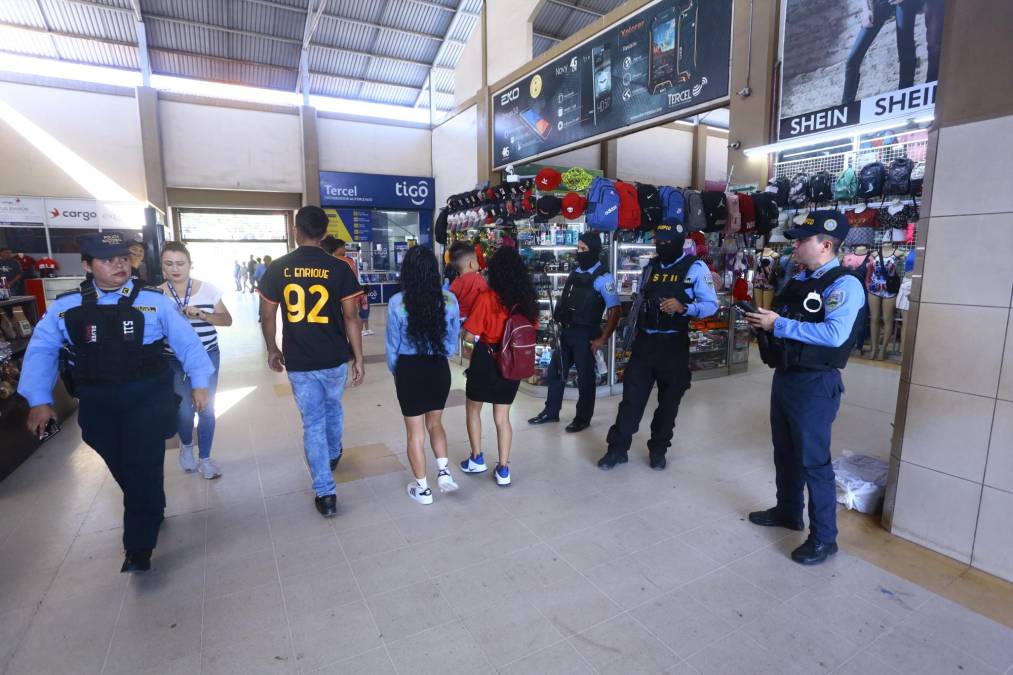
(327, 505)
(813, 551)
(611, 459)
(137, 560)
(775, 518)
(543, 417)
(577, 425)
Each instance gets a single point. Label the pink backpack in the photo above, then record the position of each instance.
(516, 357)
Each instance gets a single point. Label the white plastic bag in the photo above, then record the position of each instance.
(861, 482)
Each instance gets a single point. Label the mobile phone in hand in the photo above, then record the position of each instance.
(746, 307)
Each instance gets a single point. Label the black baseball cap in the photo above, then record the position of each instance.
(549, 206)
(104, 245)
(828, 221)
(668, 232)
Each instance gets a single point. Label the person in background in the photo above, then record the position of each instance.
(251, 270)
(423, 325)
(364, 314)
(116, 332)
(258, 275)
(510, 290)
(138, 268)
(320, 338)
(10, 271)
(337, 248)
(201, 303)
(468, 281)
(237, 274)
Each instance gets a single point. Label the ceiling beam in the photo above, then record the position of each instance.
(546, 36)
(578, 8)
(439, 52)
(309, 27)
(142, 44)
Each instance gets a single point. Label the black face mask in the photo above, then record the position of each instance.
(669, 251)
(586, 259)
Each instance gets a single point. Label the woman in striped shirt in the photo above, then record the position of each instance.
(201, 303)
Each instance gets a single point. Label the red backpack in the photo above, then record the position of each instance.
(516, 357)
(629, 206)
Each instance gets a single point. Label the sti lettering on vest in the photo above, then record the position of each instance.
(307, 273)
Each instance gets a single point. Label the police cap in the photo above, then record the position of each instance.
(668, 232)
(104, 244)
(827, 221)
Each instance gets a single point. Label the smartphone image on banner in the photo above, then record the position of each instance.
(662, 68)
(601, 59)
(687, 41)
(537, 123)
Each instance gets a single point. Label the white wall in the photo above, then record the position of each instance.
(374, 148)
(510, 42)
(102, 129)
(468, 72)
(588, 157)
(455, 155)
(659, 155)
(229, 148)
(717, 159)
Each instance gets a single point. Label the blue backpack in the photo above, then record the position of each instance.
(673, 206)
(602, 206)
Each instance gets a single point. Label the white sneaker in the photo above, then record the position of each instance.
(446, 481)
(368, 332)
(187, 462)
(208, 469)
(420, 495)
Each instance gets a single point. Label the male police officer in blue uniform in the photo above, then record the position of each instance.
(588, 291)
(115, 330)
(674, 288)
(818, 317)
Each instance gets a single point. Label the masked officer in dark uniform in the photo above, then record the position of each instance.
(807, 340)
(115, 330)
(588, 291)
(674, 288)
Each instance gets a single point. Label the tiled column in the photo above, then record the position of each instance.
(951, 481)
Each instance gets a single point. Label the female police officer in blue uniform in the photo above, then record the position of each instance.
(807, 341)
(674, 288)
(115, 330)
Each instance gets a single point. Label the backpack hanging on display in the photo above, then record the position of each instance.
(846, 185)
(629, 206)
(780, 188)
(821, 187)
(766, 212)
(516, 355)
(898, 177)
(602, 206)
(695, 218)
(747, 210)
(440, 227)
(917, 178)
(798, 194)
(870, 180)
(734, 223)
(715, 210)
(650, 206)
(673, 205)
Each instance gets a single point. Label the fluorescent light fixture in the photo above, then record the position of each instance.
(818, 150)
(808, 141)
(69, 71)
(924, 120)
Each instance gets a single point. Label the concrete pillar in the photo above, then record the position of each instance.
(951, 477)
(151, 147)
(310, 156)
(610, 158)
(699, 166)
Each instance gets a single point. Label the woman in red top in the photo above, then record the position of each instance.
(509, 287)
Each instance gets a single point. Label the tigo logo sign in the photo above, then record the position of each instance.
(417, 193)
(367, 190)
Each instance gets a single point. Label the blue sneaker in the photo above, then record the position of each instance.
(502, 475)
(474, 464)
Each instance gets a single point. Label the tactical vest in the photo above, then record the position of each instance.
(580, 304)
(666, 283)
(107, 341)
(803, 301)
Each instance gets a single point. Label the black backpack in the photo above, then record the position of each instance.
(649, 199)
(870, 180)
(898, 177)
(798, 194)
(715, 210)
(821, 187)
(766, 212)
(780, 188)
(440, 227)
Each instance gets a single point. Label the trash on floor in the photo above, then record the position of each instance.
(861, 482)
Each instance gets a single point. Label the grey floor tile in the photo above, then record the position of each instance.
(814, 648)
(573, 605)
(511, 629)
(156, 640)
(775, 572)
(265, 652)
(470, 547)
(731, 597)
(737, 653)
(317, 591)
(886, 590)
(368, 540)
(241, 571)
(409, 610)
(389, 571)
(681, 622)
(970, 632)
(334, 634)
(910, 650)
(559, 659)
(622, 645)
(319, 555)
(254, 610)
(853, 618)
(730, 539)
(13, 625)
(864, 663)
(375, 662)
(445, 649)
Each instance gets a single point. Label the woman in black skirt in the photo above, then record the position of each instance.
(423, 324)
(509, 288)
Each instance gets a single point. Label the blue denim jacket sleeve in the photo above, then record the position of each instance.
(453, 323)
(394, 329)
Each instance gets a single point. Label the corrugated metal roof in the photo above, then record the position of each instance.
(390, 44)
(562, 18)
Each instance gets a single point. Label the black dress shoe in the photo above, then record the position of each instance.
(774, 518)
(659, 463)
(327, 506)
(137, 560)
(611, 459)
(334, 463)
(542, 418)
(813, 551)
(576, 425)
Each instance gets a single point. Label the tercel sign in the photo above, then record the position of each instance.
(376, 191)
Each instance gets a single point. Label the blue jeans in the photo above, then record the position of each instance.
(205, 418)
(318, 397)
(904, 14)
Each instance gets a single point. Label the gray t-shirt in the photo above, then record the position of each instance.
(9, 269)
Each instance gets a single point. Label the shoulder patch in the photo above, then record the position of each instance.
(610, 286)
(835, 299)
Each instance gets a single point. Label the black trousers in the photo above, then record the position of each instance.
(657, 359)
(574, 350)
(127, 425)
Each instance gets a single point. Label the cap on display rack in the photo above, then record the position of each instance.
(549, 206)
(577, 179)
(573, 206)
(104, 244)
(829, 222)
(548, 179)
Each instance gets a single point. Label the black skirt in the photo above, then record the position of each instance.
(485, 383)
(422, 383)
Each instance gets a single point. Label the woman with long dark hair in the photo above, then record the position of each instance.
(423, 324)
(510, 292)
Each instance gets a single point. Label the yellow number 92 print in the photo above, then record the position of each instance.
(295, 303)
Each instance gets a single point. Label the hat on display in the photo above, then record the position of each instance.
(549, 206)
(573, 206)
(829, 222)
(548, 179)
(104, 244)
(577, 179)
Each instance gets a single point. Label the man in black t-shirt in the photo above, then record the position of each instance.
(321, 335)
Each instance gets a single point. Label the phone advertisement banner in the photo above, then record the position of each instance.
(672, 56)
(857, 62)
(22, 211)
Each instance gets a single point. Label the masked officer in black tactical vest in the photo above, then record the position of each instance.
(807, 340)
(115, 330)
(589, 290)
(674, 288)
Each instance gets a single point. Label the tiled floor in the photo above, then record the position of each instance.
(570, 570)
